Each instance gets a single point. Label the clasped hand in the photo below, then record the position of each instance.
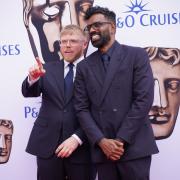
(112, 148)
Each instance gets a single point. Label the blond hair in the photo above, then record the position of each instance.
(74, 29)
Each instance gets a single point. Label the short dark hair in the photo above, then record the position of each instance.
(110, 15)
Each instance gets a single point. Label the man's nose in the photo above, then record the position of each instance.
(160, 98)
(2, 141)
(68, 43)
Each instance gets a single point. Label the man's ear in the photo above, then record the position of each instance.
(113, 27)
(85, 44)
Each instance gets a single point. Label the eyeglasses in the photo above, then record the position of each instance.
(72, 42)
(95, 26)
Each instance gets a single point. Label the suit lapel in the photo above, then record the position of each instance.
(116, 60)
(58, 75)
(97, 67)
(69, 97)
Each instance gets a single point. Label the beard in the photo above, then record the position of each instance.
(103, 39)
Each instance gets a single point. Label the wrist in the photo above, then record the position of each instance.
(77, 139)
(101, 141)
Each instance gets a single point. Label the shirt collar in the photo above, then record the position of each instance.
(75, 62)
(109, 52)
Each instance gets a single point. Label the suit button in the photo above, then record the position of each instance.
(65, 111)
(114, 110)
(100, 112)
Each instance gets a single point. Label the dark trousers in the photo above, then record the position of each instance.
(55, 168)
(138, 169)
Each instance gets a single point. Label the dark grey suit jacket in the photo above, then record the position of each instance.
(56, 120)
(116, 104)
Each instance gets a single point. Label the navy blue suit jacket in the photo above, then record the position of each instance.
(116, 104)
(56, 120)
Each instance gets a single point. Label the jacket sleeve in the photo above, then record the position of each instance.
(142, 98)
(31, 91)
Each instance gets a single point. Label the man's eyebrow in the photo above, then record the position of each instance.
(173, 79)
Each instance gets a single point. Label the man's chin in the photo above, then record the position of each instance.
(2, 161)
(68, 59)
(97, 44)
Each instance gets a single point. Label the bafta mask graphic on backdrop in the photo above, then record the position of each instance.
(165, 63)
(6, 132)
(44, 19)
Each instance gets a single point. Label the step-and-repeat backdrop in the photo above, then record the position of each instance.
(30, 28)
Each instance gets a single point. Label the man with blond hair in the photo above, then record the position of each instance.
(56, 139)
